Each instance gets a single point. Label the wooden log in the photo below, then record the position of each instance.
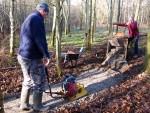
(9, 68)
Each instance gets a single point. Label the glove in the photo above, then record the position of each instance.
(46, 61)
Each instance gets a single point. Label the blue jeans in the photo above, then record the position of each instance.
(34, 75)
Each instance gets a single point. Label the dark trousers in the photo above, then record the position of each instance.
(133, 41)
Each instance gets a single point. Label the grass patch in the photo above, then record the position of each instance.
(76, 38)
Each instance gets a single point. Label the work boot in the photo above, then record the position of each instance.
(37, 102)
(25, 94)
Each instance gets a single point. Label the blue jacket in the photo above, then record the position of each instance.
(33, 43)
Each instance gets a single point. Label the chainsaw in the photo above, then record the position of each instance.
(71, 90)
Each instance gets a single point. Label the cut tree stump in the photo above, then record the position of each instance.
(116, 52)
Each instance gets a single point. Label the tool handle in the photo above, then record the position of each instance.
(50, 91)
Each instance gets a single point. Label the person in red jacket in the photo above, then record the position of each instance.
(133, 32)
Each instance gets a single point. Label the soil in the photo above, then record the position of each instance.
(130, 96)
(11, 74)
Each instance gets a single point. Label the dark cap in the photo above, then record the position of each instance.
(42, 5)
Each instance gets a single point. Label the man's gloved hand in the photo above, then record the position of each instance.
(46, 61)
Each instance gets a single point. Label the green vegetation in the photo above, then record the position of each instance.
(76, 38)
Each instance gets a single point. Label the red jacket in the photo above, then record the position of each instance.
(132, 28)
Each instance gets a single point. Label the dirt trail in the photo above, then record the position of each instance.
(94, 80)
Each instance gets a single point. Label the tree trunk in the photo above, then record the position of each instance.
(110, 17)
(81, 20)
(148, 18)
(52, 40)
(69, 4)
(93, 21)
(11, 16)
(90, 20)
(88, 23)
(81, 16)
(66, 16)
(147, 58)
(1, 102)
(137, 9)
(118, 13)
(58, 37)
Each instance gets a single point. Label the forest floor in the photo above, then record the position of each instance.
(109, 90)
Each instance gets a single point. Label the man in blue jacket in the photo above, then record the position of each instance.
(33, 56)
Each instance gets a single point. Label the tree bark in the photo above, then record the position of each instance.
(81, 15)
(11, 16)
(93, 24)
(88, 23)
(148, 18)
(110, 17)
(52, 40)
(118, 13)
(66, 16)
(147, 58)
(86, 14)
(137, 9)
(58, 37)
(1, 102)
(69, 5)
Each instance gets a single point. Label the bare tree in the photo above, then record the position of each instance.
(137, 9)
(147, 58)
(1, 102)
(148, 20)
(69, 9)
(11, 16)
(81, 15)
(88, 19)
(58, 35)
(93, 22)
(52, 41)
(66, 14)
(86, 14)
(118, 3)
(110, 16)
(90, 25)
(2, 22)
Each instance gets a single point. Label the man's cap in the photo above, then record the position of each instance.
(42, 5)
